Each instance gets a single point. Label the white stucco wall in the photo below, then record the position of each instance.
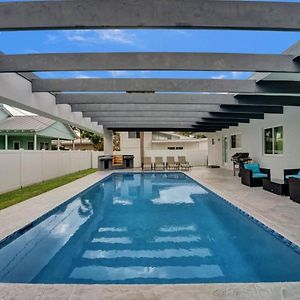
(195, 152)
(252, 142)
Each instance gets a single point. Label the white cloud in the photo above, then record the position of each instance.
(117, 36)
(239, 75)
(118, 73)
(236, 75)
(51, 38)
(221, 76)
(82, 76)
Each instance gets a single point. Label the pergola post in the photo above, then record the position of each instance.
(108, 142)
(35, 142)
(6, 142)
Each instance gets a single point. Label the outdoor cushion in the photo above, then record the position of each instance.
(293, 176)
(259, 175)
(253, 167)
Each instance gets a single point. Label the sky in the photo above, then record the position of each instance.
(146, 41)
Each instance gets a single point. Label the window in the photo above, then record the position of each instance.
(16, 145)
(175, 148)
(278, 140)
(133, 134)
(273, 140)
(30, 145)
(236, 141)
(44, 146)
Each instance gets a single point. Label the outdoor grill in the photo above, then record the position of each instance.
(239, 159)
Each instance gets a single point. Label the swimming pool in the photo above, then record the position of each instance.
(147, 228)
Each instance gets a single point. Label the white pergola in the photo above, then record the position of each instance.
(151, 104)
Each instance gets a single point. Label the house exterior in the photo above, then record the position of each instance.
(30, 132)
(163, 144)
(77, 144)
(273, 142)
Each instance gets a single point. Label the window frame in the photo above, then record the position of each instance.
(14, 145)
(273, 141)
(28, 145)
(235, 134)
(136, 133)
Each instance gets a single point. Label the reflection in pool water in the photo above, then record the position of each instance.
(146, 228)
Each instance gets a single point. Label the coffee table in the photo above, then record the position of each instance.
(276, 186)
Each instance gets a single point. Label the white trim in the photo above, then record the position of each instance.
(273, 141)
(237, 148)
(13, 144)
(28, 145)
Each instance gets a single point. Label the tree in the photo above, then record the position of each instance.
(96, 139)
(196, 135)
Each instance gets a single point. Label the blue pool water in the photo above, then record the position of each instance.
(146, 228)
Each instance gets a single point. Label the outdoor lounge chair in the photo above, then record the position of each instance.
(294, 188)
(159, 164)
(252, 175)
(291, 173)
(183, 164)
(171, 163)
(147, 165)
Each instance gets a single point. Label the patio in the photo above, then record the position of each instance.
(279, 213)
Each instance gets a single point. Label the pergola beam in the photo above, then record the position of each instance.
(166, 123)
(160, 118)
(164, 61)
(165, 114)
(155, 108)
(171, 98)
(164, 85)
(140, 98)
(164, 128)
(163, 125)
(268, 100)
(92, 14)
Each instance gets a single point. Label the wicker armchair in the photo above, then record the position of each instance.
(289, 172)
(253, 179)
(294, 188)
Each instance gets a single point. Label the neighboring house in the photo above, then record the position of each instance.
(163, 144)
(77, 144)
(30, 132)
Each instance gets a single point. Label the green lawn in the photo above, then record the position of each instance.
(25, 193)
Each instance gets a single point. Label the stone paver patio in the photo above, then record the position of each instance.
(279, 213)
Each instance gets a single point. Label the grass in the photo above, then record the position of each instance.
(19, 195)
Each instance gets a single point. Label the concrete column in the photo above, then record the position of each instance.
(108, 142)
(142, 146)
(35, 142)
(58, 144)
(6, 142)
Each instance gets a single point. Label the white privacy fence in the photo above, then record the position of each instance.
(23, 167)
